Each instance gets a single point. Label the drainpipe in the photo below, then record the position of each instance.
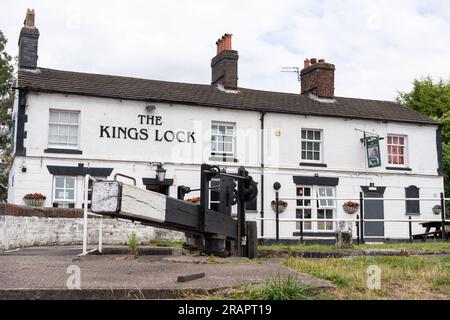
(263, 113)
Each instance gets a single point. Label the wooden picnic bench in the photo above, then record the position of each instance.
(428, 234)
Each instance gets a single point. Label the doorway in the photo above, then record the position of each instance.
(373, 209)
(155, 185)
(159, 188)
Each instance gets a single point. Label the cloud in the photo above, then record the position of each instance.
(378, 47)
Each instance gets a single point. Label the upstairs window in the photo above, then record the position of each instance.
(311, 145)
(223, 140)
(396, 150)
(64, 128)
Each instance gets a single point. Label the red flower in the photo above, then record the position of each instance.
(35, 196)
(351, 204)
(194, 200)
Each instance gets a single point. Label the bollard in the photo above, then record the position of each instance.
(410, 230)
(277, 217)
(361, 218)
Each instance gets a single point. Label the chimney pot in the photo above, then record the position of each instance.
(313, 60)
(306, 63)
(321, 60)
(29, 19)
(224, 43)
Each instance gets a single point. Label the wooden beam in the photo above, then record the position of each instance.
(113, 198)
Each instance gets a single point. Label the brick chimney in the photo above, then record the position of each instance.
(318, 78)
(225, 64)
(28, 42)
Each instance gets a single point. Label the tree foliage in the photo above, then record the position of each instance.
(6, 101)
(432, 99)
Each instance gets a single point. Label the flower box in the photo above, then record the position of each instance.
(34, 199)
(34, 202)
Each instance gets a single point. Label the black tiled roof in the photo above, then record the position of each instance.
(57, 81)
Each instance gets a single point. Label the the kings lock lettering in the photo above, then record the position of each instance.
(133, 133)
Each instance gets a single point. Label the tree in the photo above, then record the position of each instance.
(6, 101)
(433, 100)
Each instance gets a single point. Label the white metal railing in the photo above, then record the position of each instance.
(86, 213)
(346, 220)
(360, 220)
(363, 198)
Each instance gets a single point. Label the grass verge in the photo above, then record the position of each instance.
(166, 243)
(276, 288)
(429, 246)
(413, 277)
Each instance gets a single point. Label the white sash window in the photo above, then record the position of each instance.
(308, 208)
(64, 128)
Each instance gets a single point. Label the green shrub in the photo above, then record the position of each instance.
(133, 244)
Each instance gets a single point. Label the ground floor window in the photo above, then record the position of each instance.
(311, 206)
(64, 192)
(214, 195)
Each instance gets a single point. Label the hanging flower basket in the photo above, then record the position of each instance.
(351, 207)
(195, 200)
(282, 205)
(34, 199)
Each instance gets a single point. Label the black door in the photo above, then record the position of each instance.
(373, 209)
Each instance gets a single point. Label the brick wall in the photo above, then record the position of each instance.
(318, 79)
(22, 226)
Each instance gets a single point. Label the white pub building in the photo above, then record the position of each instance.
(68, 124)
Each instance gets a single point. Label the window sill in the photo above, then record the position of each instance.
(223, 159)
(399, 168)
(63, 151)
(313, 164)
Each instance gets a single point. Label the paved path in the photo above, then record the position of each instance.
(42, 273)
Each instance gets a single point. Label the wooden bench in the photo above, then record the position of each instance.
(428, 235)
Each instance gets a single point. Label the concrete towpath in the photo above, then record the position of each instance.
(43, 273)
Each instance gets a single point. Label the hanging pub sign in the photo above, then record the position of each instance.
(373, 153)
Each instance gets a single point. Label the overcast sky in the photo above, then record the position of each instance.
(378, 47)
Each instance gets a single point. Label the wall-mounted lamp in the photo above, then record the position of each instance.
(160, 173)
(150, 108)
(372, 187)
(437, 209)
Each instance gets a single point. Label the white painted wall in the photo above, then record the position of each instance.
(343, 152)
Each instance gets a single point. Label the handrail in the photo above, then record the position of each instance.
(125, 176)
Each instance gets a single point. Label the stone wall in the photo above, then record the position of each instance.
(22, 226)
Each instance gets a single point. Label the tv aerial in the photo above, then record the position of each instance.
(292, 69)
